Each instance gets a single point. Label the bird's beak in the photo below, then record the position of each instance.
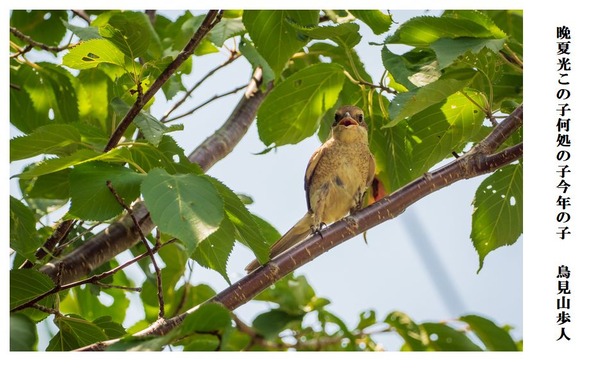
(348, 120)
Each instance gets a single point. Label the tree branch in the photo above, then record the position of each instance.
(122, 234)
(211, 19)
(473, 163)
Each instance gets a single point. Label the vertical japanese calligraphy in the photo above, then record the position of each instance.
(563, 171)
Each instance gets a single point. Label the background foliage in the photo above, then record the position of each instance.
(73, 79)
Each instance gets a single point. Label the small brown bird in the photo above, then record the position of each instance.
(336, 179)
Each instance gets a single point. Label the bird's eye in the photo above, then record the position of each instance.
(337, 118)
(360, 118)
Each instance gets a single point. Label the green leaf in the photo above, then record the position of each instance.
(151, 128)
(402, 68)
(449, 49)
(89, 54)
(186, 206)
(90, 197)
(133, 34)
(225, 29)
(214, 250)
(201, 342)
(24, 238)
(375, 19)
(444, 338)
(192, 295)
(48, 139)
(246, 227)
(272, 35)
(341, 56)
(47, 94)
(409, 103)
(271, 323)
(75, 333)
(84, 33)
(210, 317)
(424, 30)
(498, 210)
(79, 157)
(293, 110)
(367, 318)
(23, 334)
(293, 294)
(494, 338)
(41, 25)
(415, 338)
(27, 284)
(51, 186)
(253, 56)
(148, 156)
(345, 35)
(110, 328)
(94, 93)
(392, 151)
(440, 129)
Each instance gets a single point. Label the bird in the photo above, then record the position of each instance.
(337, 177)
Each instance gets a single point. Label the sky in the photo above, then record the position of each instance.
(516, 286)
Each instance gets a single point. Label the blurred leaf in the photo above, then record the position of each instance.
(494, 338)
(375, 19)
(201, 342)
(272, 35)
(186, 206)
(253, 56)
(210, 317)
(293, 110)
(41, 25)
(48, 139)
(409, 103)
(225, 29)
(414, 337)
(403, 67)
(346, 35)
(94, 92)
(112, 329)
(24, 237)
(449, 49)
(51, 186)
(23, 334)
(444, 338)
(271, 323)
(498, 210)
(133, 34)
(293, 294)
(51, 165)
(421, 31)
(367, 318)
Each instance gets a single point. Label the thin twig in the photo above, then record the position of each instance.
(232, 57)
(31, 42)
(212, 99)
(92, 279)
(149, 249)
(368, 84)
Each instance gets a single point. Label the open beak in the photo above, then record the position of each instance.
(348, 121)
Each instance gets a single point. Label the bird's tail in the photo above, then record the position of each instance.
(297, 233)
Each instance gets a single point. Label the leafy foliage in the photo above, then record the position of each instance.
(434, 100)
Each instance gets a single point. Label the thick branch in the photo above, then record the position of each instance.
(211, 19)
(473, 163)
(122, 234)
